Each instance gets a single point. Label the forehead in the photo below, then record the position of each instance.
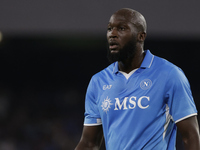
(121, 18)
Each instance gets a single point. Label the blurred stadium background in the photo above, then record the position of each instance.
(50, 49)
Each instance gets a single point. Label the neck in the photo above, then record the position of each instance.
(132, 63)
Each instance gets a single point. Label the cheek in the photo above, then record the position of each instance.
(125, 40)
(107, 35)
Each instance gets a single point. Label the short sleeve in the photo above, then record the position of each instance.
(179, 96)
(92, 116)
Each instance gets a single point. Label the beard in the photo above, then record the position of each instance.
(127, 52)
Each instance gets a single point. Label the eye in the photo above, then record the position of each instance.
(122, 28)
(109, 29)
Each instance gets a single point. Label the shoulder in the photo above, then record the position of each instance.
(104, 73)
(100, 78)
(157, 64)
(173, 74)
(166, 66)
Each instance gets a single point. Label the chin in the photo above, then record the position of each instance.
(113, 56)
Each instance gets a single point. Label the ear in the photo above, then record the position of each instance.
(142, 36)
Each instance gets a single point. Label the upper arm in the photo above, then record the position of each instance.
(179, 96)
(91, 138)
(189, 130)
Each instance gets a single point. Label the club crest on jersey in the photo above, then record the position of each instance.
(106, 104)
(145, 84)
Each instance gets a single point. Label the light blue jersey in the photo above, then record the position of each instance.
(139, 111)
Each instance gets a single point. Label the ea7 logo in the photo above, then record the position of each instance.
(105, 87)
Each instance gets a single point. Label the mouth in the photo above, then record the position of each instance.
(113, 46)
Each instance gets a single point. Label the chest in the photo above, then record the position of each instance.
(135, 95)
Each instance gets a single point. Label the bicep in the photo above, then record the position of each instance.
(189, 130)
(188, 125)
(91, 137)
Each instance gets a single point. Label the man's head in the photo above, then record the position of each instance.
(126, 34)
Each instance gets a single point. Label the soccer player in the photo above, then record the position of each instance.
(140, 100)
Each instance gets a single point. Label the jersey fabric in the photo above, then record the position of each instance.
(139, 112)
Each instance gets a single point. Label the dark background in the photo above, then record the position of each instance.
(49, 51)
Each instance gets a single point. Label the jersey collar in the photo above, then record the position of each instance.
(146, 63)
(148, 60)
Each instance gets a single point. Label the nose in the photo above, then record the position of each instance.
(112, 33)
